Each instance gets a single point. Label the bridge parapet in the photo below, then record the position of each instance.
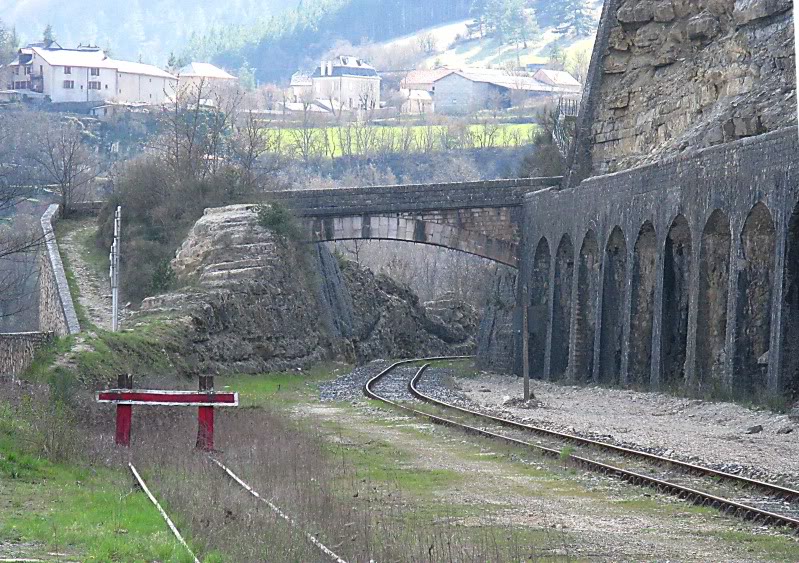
(480, 218)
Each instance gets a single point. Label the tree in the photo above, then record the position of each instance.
(63, 160)
(247, 77)
(9, 43)
(48, 36)
(575, 17)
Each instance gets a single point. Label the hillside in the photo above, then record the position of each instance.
(146, 29)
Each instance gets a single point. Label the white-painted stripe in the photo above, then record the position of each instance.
(276, 510)
(164, 515)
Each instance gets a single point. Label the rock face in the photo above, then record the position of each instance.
(683, 74)
(496, 336)
(254, 302)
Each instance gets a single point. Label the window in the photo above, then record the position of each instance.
(16, 71)
(27, 70)
(106, 86)
(95, 72)
(69, 84)
(94, 85)
(67, 70)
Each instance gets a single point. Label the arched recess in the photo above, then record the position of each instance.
(676, 278)
(714, 285)
(562, 307)
(613, 294)
(538, 314)
(790, 346)
(642, 303)
(755, 283)
(587, 278)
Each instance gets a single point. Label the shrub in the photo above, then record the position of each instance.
(278, 218)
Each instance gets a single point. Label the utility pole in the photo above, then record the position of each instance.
(114, 274)
(525, 345)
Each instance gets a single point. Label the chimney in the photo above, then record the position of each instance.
(330, 68)
(322, 68)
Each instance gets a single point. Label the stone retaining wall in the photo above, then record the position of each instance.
(18, 349)
(56, 309)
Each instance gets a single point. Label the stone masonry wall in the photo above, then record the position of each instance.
(18, 349)
(673, 75)
(56, 309)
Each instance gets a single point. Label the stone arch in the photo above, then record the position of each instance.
(755, 284)
(562, 307)
(613, 300)
(538, 314)
(714, 283)
(790, 345)
(642, 303)
(587, 279)
(676, 280)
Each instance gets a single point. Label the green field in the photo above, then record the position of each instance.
(365, 140)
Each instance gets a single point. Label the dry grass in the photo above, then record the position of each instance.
(293, 465)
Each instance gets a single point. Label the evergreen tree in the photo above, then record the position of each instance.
(247, 77)
(48, 36)
(574, 16)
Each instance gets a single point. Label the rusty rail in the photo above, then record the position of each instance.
(686, 493)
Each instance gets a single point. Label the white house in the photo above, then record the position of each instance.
(210, 76)
(349, 81)
(86, 74)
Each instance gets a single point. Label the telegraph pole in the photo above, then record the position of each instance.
(525, 344)
(114, 273)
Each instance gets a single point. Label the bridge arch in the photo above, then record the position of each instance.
(562, 308)
(614, 291)
(714, 281)
(675, 302)
(587, 283)
(642, 303)
(755, 282)
(539, 311)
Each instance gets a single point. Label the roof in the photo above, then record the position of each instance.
(141, 68)
(415, 77)
(346, 66)
(88, 58)
(204, 70)
(301, 79)
(510, 81)
(556, 78)
(92, 58)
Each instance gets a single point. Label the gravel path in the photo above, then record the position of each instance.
(95, 291)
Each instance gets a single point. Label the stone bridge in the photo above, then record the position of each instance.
(480, 218)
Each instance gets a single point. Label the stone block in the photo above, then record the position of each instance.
(703, 27)
(747, 11)
(634, 11)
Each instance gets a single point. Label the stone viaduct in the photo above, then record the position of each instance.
(480, 218)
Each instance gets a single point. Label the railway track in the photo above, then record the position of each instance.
(758, 501)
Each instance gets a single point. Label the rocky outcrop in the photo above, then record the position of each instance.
(684, 74)
(254, 302)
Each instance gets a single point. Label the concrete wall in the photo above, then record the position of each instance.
(682, 274)
(17, 350)
(56, 309)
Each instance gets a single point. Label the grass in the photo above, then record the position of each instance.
(87, 513)
(281, 389)
(359, 141)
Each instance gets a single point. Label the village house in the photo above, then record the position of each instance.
(418, 90)
(466, 91)
(86, 75)
(347, 81)
(209, 76)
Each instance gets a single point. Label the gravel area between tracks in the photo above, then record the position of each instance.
(721, 435)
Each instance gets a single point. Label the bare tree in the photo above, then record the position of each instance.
(64, 161)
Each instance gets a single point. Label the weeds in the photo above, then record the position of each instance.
(280, 220)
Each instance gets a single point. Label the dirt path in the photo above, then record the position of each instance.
(95, 291)
(578, 515)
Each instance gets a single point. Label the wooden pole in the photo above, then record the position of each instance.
(525, 347)
(205, 418)
(124, 412)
